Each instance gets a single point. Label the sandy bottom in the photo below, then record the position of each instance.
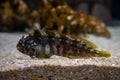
(16, 65)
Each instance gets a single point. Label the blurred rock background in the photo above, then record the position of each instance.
(98, 8)
(105, 10)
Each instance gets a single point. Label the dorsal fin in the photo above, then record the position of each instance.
(38, 32)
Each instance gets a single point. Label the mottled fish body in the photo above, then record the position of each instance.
(43, 44)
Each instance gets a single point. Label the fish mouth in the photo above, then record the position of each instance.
(19, 48)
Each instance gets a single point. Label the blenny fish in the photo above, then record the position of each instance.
(44, 44)
(59, 16)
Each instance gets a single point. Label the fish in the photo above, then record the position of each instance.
(45, 43)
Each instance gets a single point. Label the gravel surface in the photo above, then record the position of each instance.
(57, 67)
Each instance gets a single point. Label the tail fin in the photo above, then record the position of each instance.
(104, 54)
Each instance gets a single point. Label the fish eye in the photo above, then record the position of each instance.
(20, 41)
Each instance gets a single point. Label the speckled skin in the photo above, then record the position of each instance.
(62, 18)
(50, 15)
(43, 44)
